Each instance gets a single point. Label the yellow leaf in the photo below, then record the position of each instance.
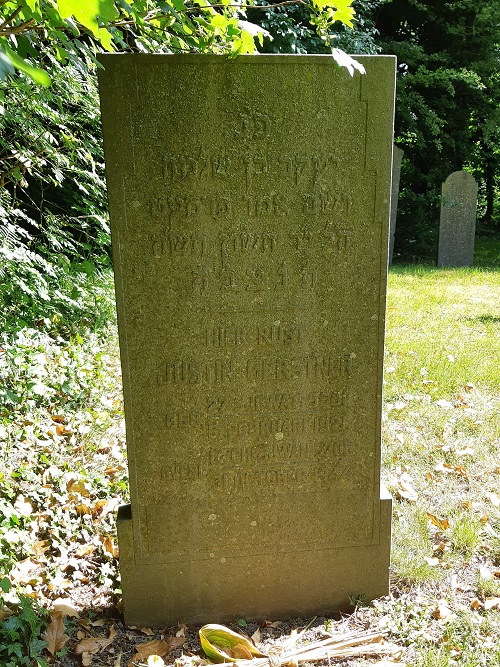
(442, 524)
(217, 642)
(55, 634)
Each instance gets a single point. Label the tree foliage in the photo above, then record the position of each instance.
(448, 102)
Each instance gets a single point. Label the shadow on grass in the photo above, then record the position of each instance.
(486, 258)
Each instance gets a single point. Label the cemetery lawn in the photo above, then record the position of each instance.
(63, 474)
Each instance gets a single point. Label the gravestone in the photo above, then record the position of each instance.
(249, 204)
(457, 224)
(397, 158)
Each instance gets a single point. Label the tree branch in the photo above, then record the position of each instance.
(10, 18)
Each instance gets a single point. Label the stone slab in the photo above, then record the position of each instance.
(457, 225)
(249, 204)
(397, 159)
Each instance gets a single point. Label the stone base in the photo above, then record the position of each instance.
(298, 584)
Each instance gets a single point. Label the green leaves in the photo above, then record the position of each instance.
(86, 12)
(36, 74)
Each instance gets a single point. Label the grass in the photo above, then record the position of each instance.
(62, 458)
(442, 433)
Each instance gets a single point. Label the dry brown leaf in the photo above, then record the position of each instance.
(405, 490)
(104, 507)
(92, 645)
(85, 550)
(55, 634)
(257, 636)
(240, 652)
(442, 524)
(156, 647)
(181, 632)
(40, 547)
(78, 486)
(146, 631)
(82, 509)
(58, 419)
(272, 624)
(112, 470)
(65, 607)
(475, 604)
(110, 547)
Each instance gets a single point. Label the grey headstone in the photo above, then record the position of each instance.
(249, 203)
(397, 158)
(457, 224)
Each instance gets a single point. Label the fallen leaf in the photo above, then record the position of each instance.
(85, 550)
(146, 631)
(475, 604)
(103, 507)
(92, 645)
(468, 386)
(256, 637)
(58, 419)
(240, 652)
(55, 634)
(78, 486)
(112, 470)
(110, 547)
(181, 632)
(405, 489)
(442, 524)
(159, 647)
(82, 509)
(65, 607)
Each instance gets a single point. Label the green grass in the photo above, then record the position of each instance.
(442, 433)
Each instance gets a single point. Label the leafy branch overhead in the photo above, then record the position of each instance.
(80, 28)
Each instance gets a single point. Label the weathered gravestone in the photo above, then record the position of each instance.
(249, 203)
(397, 158)
(457, 224)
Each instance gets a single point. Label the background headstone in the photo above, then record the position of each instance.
(457, 224)
(397, 158)
(249, 203)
